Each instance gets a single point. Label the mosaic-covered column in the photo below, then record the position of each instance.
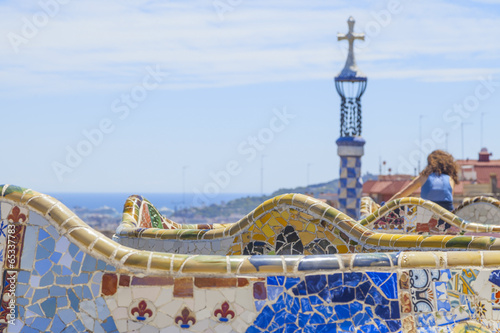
(350, 84)
(350, 150)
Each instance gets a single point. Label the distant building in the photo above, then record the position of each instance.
(477, 177)
(386, 186)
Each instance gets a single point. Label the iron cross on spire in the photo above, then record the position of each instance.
(351, 36)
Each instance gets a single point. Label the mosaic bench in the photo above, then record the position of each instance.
(290, 224)
(60, 275)
(474, 216)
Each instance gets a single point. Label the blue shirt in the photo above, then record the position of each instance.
(437, 188)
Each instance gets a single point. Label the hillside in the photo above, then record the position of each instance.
(243, 206)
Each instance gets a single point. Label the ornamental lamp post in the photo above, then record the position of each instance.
(350, 84)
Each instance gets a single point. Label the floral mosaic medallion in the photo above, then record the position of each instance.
(223, 313)
(185, 318)
(142, 310)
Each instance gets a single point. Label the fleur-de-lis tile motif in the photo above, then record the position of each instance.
(186, 319)
(141, 312)
(16, 215)
(224, 314)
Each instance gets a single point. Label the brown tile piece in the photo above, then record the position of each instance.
(259, 290)
(215, 282)
(109, 284)
(153, 281)
(124, 280)
(183, 287)
(242, 282)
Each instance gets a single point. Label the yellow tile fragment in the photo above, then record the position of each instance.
(268, 231)
(342, 249)
(311, 228)
(306, 237)
(299, 226)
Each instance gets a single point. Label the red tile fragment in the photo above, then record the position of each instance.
(109, 284)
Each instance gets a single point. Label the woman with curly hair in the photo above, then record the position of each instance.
(437, 180)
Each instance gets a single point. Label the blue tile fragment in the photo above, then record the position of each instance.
(57, 325)
(62, 302)
(304, 319)
(89, 264)
(353, 279)
(23, 277)
(42, 234)
(274, 292)
(86, 293)
(47, 280)
(79, 326)
(377, 296)
(41, 253)
(342, 294)
(326, 328)
(279, 318)
(74, 301)
(383, 311)
(495, 277)
(253, 329)
(394, 325)
(81, 279)
(316, 319)
(57, 291)
(346, 326)
(272, 281)
(109, 325)
(259, 305)
(342, 311)
(66, 271)
(36, 309)
(55, 257)
(49, 244)
(306, 306)
(67, 316)
(335, 280)
(300, 289)
(75, 267)
(395, 310)
(49, 307)
(315, 283)
(265, 317)
(43, 266)
(361, 319)
(39, 294)
(41, 323)
(355, 307)
(381, 326)
(279, 304)
(73, 249)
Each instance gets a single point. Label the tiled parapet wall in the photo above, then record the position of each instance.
(60, 275)
(475, 216)
(295, 224)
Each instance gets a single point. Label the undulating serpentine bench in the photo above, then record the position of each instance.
(59, 274)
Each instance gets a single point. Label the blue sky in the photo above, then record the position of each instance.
(161, 96)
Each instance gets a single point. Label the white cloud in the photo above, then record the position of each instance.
(102, 45)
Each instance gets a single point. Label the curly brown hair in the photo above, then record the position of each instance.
(440, 162)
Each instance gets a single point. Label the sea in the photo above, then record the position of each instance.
(171, 201)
